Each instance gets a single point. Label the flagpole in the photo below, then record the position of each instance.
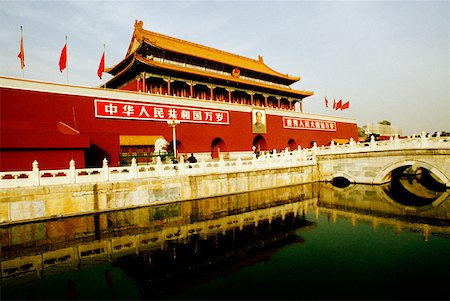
(104, 53)
(67, 61)
(21, 51)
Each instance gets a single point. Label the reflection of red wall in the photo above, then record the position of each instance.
(35, 112)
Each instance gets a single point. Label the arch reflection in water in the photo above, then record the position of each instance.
(382, 200)
(409, 185)
(415, 186)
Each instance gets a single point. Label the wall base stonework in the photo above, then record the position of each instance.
(32, 203)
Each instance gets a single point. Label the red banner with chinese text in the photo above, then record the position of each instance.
(309, 124)
(144, 111)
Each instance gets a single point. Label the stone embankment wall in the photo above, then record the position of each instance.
(52, 201)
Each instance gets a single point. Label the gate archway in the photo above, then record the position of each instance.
(292, 144)
(217, 146)
(259, 143)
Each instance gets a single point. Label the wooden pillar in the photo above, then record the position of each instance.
(290, 104)
(168, 85)
(229, 95)
(265, 101)
(211, 92)
(251, 98)
(144, 87)
(191, 89)
(279, 102)
(301, 105)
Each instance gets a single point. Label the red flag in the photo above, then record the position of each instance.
(334, 104)
(63, 58)
(345, 105)
(339, 104)
(21, 54)
(101, 66)
(326, 102)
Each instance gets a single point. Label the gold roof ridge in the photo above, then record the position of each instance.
(141, 34)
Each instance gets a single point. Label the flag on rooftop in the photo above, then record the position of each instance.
(326, 102)
(338, 105)
(101, 66)
(21, 54)
(345, 105)
(63, 58)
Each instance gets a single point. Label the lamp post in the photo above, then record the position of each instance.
(173, 123)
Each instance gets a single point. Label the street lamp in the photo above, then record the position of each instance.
(173, 123)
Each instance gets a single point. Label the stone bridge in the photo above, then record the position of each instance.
(376, 163)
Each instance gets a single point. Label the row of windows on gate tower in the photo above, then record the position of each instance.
(181, 89)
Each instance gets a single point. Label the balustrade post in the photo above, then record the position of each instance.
(181, 166)
(134, 169)
(332, 146)
(314, 148)
(300, 156)
(35, 178)
(159, 166)
(105, 170)
(423, 140)
(352, 144)
(372, 142)
(396, 141)
(72, 172)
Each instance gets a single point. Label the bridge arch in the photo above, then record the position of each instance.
(384, 175)
(336, 175)
(441, 199)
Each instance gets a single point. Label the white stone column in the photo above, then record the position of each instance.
(35, 178)
(134, 169)
(72, 172)
(105, 170)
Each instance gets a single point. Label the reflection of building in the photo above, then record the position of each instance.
(91, 239)
(210, 91)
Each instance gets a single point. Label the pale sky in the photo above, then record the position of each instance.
(390, 59)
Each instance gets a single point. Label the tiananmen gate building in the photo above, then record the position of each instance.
(225, 104)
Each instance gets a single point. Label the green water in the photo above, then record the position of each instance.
(339, 261)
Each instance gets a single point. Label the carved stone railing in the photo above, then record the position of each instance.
(394, 143)
(300, 157)
(37, 177)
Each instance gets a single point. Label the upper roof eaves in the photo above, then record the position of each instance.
(192, 49)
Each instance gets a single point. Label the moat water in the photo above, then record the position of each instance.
(312, 241)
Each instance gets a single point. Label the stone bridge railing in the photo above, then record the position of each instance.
(394, 143)
(300, 157)
(37, 177)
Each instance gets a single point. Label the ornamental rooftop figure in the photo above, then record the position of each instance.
(159, 64)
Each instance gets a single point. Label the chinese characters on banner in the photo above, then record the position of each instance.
(144, 111)
(310, 124)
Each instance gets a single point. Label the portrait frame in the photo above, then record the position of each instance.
(259, 121)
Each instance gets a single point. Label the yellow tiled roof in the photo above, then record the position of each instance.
(180, 46)
(299, 93)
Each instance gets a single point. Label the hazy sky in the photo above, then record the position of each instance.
(390, 59)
